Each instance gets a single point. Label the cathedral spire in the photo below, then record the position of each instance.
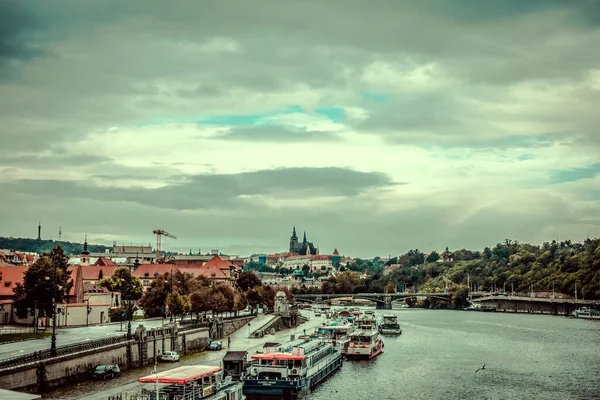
(85, 246)
(304, 240)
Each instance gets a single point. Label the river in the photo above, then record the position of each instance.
(526, 356)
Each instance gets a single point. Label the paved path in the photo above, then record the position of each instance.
(66, 336)
(128, 381)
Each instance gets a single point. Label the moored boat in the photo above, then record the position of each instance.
(389, 325)
(586, 313)
(191, 382)
(287, 371)
(364, 344)
(337, 333)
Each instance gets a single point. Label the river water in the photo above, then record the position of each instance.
(526, 357)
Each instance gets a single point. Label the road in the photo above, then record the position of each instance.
(66, 336)
(101, 390)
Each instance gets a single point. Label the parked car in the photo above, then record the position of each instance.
(170, 356)
(215, 345)
(106, 371)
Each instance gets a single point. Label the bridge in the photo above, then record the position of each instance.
(381, 300)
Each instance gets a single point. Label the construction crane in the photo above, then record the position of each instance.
(159, 234)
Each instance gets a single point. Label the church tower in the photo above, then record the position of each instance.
(85, 254)
(39, 231)
(293, 240)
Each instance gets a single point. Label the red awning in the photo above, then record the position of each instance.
(278, 356)
(182, 375)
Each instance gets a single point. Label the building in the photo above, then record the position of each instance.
(305, 247)
(215, 270)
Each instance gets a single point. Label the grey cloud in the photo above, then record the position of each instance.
(46, 161)
(275, 133)
(328, 227)
(219, 190)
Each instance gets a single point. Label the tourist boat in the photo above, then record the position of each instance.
(366, 322)
(287, 371)
(337, 333)
(586, 313)
(364, 344)
(389, 325)
(191, 382)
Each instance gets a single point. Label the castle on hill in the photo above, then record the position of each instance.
(304, 247)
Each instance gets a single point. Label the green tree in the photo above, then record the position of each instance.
(129, 286)
(178, 304)
(47, 279)
(153, 302)
(433, 257)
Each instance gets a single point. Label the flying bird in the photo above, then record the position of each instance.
(479, 369)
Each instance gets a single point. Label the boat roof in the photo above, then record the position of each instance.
(181, 375)
(337, 327)
(364, 333)
(389, 316)
(278, 356)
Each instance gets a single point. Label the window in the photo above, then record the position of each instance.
(146, 283)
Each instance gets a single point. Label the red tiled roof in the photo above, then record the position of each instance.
(149, 271)
(104, 262)
(320, 257)
(29, 257)
(335, 252)
(91, 272)
(10, 277)
(218, 262)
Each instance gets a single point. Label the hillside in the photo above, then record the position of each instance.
(510, 263)
(44, 246)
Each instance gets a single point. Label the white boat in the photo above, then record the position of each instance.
(287, 371)
(337, 333)
(364, 344)
(366, 322)
(586, 313)
(191, 382)
(389, 325)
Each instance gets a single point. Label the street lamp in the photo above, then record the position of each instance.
(53, 339)
(128, 309)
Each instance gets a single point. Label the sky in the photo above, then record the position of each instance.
(376, 127)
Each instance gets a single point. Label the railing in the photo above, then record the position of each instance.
(9, 331)
(60, 351)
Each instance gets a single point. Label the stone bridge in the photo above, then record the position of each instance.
(382, 301)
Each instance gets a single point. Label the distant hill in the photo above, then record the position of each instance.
(44, 246)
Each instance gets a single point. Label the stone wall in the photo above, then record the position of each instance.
(60, 370)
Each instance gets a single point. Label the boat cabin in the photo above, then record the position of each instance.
(289, 361)
(362, 338)
(191, 382)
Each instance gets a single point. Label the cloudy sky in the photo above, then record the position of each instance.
(375, 126)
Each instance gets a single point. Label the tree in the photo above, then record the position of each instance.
(255, 298)
(128, 285)
(201, 300)
(240, 302)
(390, 288)
(178, 304)
(248, 280)
(327, 288)
(228, 294)
(47, 279)
(433, 257)
(154, 300)
(268, 296)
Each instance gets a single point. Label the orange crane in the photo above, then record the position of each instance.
(160, 233)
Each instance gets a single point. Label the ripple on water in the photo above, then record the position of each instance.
(526, 357)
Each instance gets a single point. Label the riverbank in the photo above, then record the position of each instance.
(127, 382)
